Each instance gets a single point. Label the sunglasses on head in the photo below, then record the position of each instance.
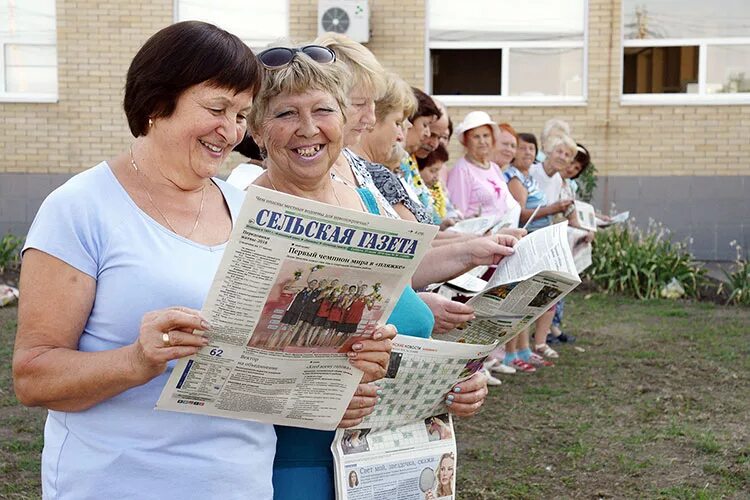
(279, 57)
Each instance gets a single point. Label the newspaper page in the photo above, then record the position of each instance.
(586, 215)
(299, 282)
(580, 248)
(399, 450)
(539, 273)
(615, 219)
(485, 224)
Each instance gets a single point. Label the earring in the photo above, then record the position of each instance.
(150, 123)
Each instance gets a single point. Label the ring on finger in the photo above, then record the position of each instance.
(166, 339)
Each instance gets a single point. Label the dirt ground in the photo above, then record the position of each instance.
(658, 406)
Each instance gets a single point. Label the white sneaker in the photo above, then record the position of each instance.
(503, 368)
(490, 379)
(489, 363)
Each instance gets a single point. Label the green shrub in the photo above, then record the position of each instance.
(737, 285)
(587, 183)
(640, 263)
(10, 252)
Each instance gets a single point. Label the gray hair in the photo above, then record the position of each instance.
(553, 127)
(560, 140)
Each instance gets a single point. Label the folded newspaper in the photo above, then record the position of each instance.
(299, 282)
(488, 223)
(406, 448)
(540, 272)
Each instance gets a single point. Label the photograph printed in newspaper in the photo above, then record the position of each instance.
(299, 282)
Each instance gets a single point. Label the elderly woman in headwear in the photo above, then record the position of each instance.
(476, 184)
(298, 119)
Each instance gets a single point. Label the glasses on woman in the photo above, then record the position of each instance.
(280, 57)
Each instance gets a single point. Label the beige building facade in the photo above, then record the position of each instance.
(682, 160)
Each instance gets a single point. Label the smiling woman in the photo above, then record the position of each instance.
(298, 119)
(116, 264)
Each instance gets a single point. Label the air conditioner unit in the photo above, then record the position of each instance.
(350, 17)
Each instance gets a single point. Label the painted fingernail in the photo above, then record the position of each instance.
(379, 400)
(456, 389)
(357, 346)
(351, 354)
(377, 335)
(448, 403)
(204, 341)
(450, 397)
(379, 392)
(205, 324)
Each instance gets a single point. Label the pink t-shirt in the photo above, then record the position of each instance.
(476, 191)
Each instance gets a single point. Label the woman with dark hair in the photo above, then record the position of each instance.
(108, 306)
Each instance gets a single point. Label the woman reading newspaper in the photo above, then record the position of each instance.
(116, 265)
(298, 121)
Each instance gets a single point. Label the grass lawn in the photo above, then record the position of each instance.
(658, 406)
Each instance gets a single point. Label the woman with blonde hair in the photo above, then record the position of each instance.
(298, 119)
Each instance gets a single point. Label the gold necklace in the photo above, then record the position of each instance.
(163, 216)
(332, 187)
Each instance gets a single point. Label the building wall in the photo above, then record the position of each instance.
(656, 158)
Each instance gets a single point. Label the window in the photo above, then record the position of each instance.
(687, 51)
(504, 51)
(28, 51)
(256, 22)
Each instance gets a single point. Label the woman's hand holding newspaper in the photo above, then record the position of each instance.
(467, 397)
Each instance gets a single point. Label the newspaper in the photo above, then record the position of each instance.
(586, 215)
(615, 219)
(488, 224)
(580, 248)
(406, 449)
(299, 282)
(539, 273)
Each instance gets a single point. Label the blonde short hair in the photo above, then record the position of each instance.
(398, 97)
(364, 67)
(560, 140)
(300, 76)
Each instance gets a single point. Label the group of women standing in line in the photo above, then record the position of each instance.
(107, 307)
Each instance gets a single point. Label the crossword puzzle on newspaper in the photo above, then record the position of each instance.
(407, 435)
(414, 388)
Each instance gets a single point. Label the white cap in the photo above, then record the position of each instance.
(473, 120)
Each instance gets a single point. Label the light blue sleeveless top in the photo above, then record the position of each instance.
(122, 448)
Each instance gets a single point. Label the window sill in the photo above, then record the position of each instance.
(489, 100)
(684, 99)
(29, 98)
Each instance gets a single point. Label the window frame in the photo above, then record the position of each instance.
(503, 99)
(255, 48)
(701, 98)
(29, 97)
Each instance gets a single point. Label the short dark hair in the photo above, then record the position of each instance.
(248, 147)
(530, 138)
(437, 155)
(178, 57)
(450, 127)
(583, 157)
(425, 106)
